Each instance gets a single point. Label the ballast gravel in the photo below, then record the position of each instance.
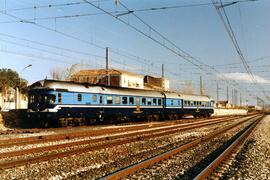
(92, 165)
(253, 161)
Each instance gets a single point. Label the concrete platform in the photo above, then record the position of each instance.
(227, 112)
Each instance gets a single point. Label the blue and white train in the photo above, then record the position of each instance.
(69, 103)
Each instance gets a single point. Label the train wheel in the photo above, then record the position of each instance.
(44, 123)
(62, 122)
(149, 118)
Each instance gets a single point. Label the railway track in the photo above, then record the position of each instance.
(168, 154)
(101, 143)
(212, 168)
(91, 133)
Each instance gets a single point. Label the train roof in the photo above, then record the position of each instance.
(90, 88)
(101, 89)
(174, 95)
(189, 97)
(195, 97)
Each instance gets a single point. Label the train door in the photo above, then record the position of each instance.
(164, 114)
(101, 112)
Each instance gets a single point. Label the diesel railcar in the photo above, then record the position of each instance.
(65, 103)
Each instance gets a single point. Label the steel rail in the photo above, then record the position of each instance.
(118, 140)
(74, 135)
(104, 139)
(218, 161)
(122, 173)
(88, 133)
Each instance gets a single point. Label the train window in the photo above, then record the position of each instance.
(124, 100)
(159, 102)
(109, 100)
(143, 101)
(94, 98)
(131, 100)
(154, 101)
(79, 97)
(149, 101)
(188, 103)
(59, 98)
(117, 100)
(31, 99)
(100, 99)
(52, 99)
(39, 98)
(191, 103)
(171, 102)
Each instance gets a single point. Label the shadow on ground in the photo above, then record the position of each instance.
(15, 119)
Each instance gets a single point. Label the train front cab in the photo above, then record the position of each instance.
(40, 102)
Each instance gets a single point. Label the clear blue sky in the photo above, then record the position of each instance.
(197, 29)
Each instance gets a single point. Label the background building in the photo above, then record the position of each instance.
(120, 78)
(112, 77)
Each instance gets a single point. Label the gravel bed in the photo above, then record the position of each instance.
(23, 147)
(253, 160)
(180, 166)
(28, 146)
(98, 163)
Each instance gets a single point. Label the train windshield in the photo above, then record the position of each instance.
(212, 103)
(47, 99)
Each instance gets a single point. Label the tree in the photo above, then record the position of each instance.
(65, 74)
(11, 79)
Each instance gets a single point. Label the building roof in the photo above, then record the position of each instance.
(97, 72)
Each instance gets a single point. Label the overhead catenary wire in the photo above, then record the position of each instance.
(177, 53)
(185, 56)
(228, 27)
(50, 6)
(54, 30)
(49, 45)
(44, 50)
(30, 23)
(99, 1)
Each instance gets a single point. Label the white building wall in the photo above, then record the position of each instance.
(132, 81)
(166, 84)
(8, 105)
(226, 112)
